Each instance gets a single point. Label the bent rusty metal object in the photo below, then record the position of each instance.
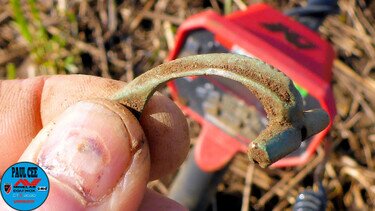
(288, 124)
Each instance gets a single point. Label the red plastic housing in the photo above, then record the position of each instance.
(267, 34)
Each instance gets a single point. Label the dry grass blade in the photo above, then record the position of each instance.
(137, 20)
(365, 83)
(247, 189)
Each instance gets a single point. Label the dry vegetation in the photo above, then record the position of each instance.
(121, 39)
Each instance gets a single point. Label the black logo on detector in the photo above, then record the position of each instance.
(291, 36)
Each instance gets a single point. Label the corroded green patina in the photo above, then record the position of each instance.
(288, 124)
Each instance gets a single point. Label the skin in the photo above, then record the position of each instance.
(34, 111)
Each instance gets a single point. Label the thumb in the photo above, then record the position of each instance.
(95, 156)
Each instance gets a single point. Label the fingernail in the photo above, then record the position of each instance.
(88, 150)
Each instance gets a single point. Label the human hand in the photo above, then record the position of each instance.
(94, 152)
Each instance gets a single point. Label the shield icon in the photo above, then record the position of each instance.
(7, 187)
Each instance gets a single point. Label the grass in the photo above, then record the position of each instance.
(49, 52)
(11, 71)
